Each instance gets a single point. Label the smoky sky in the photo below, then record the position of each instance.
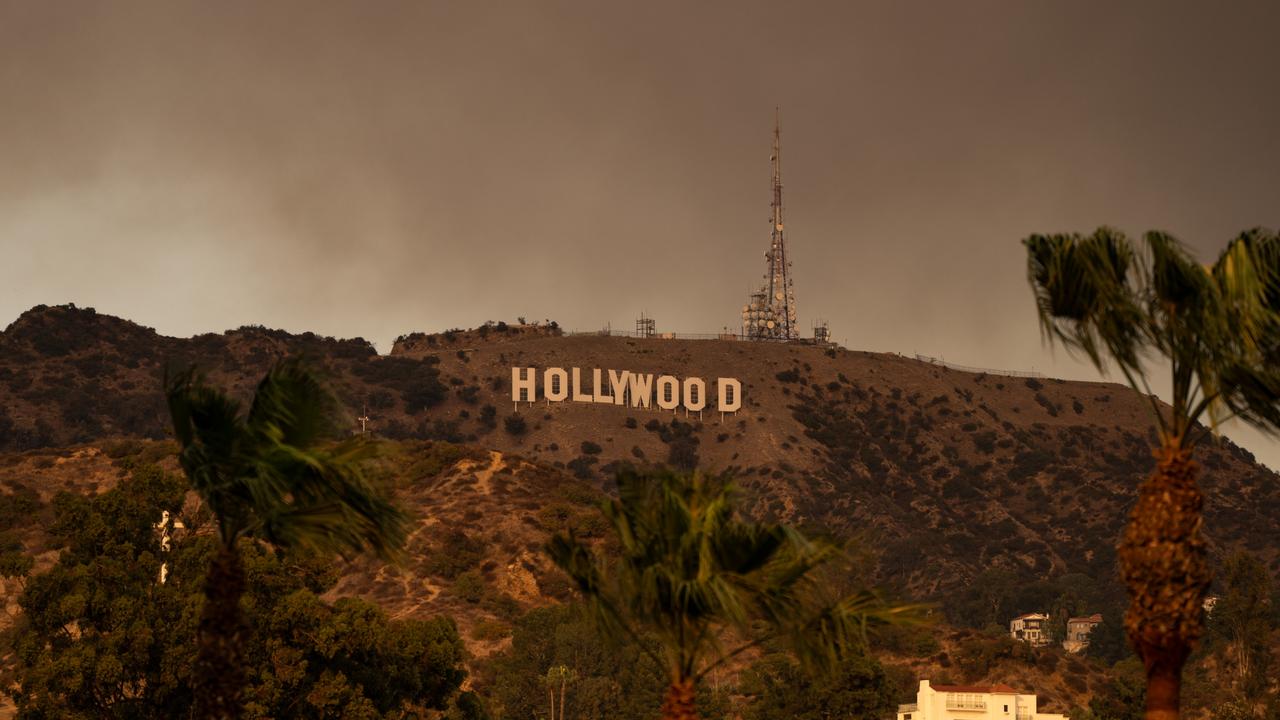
(371, 169)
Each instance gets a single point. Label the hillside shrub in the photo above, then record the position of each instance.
(1047, 404)
(910, 640)
(456, 553)
(470, 394)
(488, 418)
(18, 505)
(1028, 463)
(469, 586)
(490, 630)
(985, 441)
(581, 466)
(441, 429)
(122, 448)
(422, 393)
(683, 455)
(555, 517)
(590, 448)
(515, 425)
(682, 444)
(435, 457)
(977, 656)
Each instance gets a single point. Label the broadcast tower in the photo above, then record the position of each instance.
(771, 313)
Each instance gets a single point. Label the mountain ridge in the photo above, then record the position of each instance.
(948, 472)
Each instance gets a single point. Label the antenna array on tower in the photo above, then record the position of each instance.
(770, 314)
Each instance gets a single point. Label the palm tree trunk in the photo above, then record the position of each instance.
(564, 681)
(1162, 560)
(678, 702)
(219, 669)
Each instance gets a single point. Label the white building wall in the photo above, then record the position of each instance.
(932, 704)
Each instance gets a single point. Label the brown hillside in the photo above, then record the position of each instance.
(948, 472)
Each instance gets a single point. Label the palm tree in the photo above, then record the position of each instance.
(269, 475)
(690, 573)
(1218, 331)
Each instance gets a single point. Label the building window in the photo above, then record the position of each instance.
(966, 701)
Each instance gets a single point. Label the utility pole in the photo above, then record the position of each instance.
(364, 418)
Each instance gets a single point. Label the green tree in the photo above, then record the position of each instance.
(1122, 697)
(1217, 329)
(94, 632)
(16, 565)
(990, 599)
(1243, 620)
(101, 637)
(270, 474)
(1107, 641)
(612, 683)
(691, 573)
(779, 689)
(1066, 606)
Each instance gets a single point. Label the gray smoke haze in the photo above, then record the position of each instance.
(377, 168)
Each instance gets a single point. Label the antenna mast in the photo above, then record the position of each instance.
(771, 312)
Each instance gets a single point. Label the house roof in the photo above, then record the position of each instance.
(1094, 618)
(1039, 616)
(991, 689)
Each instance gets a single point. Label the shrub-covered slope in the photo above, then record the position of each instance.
(948, 473)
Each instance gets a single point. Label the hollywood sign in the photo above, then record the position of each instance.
(637, 390)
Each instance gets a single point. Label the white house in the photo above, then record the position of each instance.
(965, 702)
(1030, 628)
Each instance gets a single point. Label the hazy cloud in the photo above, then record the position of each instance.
(373, 169)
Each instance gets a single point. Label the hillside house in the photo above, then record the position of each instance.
(979, 702)
(1032, 628)
(1078, 630)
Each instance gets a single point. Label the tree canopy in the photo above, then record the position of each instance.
(101, 637)
(780, 690)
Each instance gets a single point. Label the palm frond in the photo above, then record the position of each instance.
(1254, 393)
(274, 473)
(688, 570)
(292, 405)
(1084, 294)
(211, 436)
(1218, 328)
(832, 631)
(328, 480)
